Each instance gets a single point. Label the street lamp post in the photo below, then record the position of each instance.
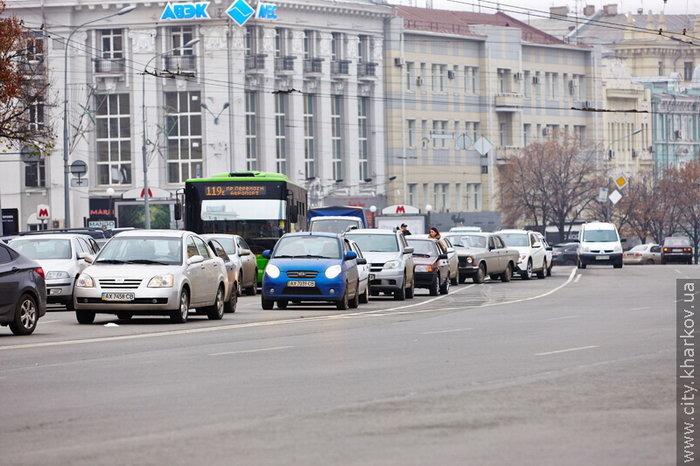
(66, 170)
(144, 156)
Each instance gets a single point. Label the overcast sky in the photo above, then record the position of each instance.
(541, 7)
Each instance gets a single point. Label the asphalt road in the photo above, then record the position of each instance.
(577, 369)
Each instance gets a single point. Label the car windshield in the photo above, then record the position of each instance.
(39, 249)
(422, 247)
(474, 241)
(332, 225)
(228, 243)
(599, 236)
(141, 250)
(376, 243)
(515, 240)
(318, 247)
(673, 241)
(639, 248)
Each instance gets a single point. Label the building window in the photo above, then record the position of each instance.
(580, 134)
(250, 40)
(35, 48)
(471, 128)
(337, 41)
(688, 71)
(364, 46)
(179, 36)
(183, 114)
(251, 130)
(555, 85)
(410, 74)
(471, 80)
(458, 197)
(281, 133)
(439, 72)
(661, 68)
(308, 43)
(363, 135)
(36, 114)
(412, 194)
(112, 43)
(35, 174)
(309, 142)
(473, 193)
(504, 78)
(440, 202)
(280, 42)
(527, 84)
(337, 136)
(527, 128)
(411, 133)
(113, 137)
(439, 129)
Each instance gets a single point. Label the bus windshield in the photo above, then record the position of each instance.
(243, 209)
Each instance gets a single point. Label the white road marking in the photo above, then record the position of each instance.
(259, 350)
(568, 350)
(447, 331)
(48, 321)
(562, 318)
(678, 271)
(284, 321)
(578, 277)
(639, 308)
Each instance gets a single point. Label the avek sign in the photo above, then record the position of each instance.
(195, 10)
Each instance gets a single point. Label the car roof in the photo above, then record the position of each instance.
(599, 226)
(468, 233)
(514, 230)
(373, 231)
(420, 238)
(219, 235)
(155, 233)
(335, 217)
(314, 233)
(53, 236)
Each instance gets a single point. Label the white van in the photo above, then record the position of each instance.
(465, 230)
(599, 243)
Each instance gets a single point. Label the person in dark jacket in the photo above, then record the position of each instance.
(405, 230)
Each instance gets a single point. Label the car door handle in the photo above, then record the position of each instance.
(15, 269)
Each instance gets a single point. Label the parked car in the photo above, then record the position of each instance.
(484, 254)
(311, 267)
(22, 291)
(152, 272)
(237, 249)
(600, 244)
(363, 271)
(533, 253)
(98, 235)
(431, 266)
(677, 249)
(643, 254)
(452, 259)
(464, 229)
(233, 271)
(548, 252)
(565, 254)
(391, 261)
(62, 256)
(336, 224)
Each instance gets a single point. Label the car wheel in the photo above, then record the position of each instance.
(541, 274)
(480, 274)
(364, 297)
(267, 304)
(84, 317)
(124, 315)
(26, 316)
(216, 312)
(252, 289)
(374, 293)
(506, 276)
(581, 265)
(355, 301)
(434, 288)
(463, 279)
(70, 306)
(617, 265)
(650, 262)
(549, 269)
(411, 291)
(400, 294)
(343, 304)
(527, 273)
(179, 315)
(282, 304)
(445, 286)
(232, 302)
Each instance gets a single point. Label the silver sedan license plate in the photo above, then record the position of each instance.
(602, 258)
(117, 296)
(301, 283)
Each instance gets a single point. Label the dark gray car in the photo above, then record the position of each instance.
(22, 291)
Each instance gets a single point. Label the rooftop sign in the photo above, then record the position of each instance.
(240, 11)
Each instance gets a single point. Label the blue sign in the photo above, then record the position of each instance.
(195, 10)
(267, 11)
(240, 12)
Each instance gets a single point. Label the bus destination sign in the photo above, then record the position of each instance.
(232, 191)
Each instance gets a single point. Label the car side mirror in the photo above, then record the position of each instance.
(244, 252)
(267, 254)
(536, 245)
(195, 260)
(623, 240)
(81, 255)
(89, 258)
(350, 255)
(442, 256)
(450, 250)
(548, 248)
(361, 261)
(408, 250)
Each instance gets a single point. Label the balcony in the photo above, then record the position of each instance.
(367, 70)
(32, 67)
(340, 67)
(284, 64)
(255, 63)
(112, 66)
(178, 63)
(313, 65)
(508, 102)
(504, 153)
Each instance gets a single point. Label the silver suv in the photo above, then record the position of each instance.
(390, 259)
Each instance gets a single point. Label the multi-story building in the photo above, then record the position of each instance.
(298, 91)
(455, 78)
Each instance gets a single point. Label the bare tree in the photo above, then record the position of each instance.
(685, 182)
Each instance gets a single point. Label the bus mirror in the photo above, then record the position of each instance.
(178, 211)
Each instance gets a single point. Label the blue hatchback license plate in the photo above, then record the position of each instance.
(301, 284)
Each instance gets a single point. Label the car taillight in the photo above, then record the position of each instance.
(639, 254)
(40, 272)
(665, 249)
(687, 250)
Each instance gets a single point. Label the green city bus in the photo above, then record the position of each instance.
(258, 206)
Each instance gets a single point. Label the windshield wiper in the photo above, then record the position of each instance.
(145, 261)
(421, 255)
(110, 261)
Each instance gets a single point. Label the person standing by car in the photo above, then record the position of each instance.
(405, 230)
(434, 233)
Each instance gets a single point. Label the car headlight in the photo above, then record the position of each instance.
(56, 275)
(392, 265)
(424, 268)
(272, 271)
(470, 260)
(85, 281)
(585, 249)
(166, 280)
(617, 249)
(333, 271)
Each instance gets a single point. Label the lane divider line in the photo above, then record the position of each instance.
(568, 350)
(259, 350)
(561, 318)
(578, 277)
(447, 331)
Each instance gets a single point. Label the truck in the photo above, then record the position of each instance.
(336, 219)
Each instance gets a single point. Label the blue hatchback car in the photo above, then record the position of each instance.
(311, 267)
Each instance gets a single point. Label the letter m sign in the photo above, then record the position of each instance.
(400, 209)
